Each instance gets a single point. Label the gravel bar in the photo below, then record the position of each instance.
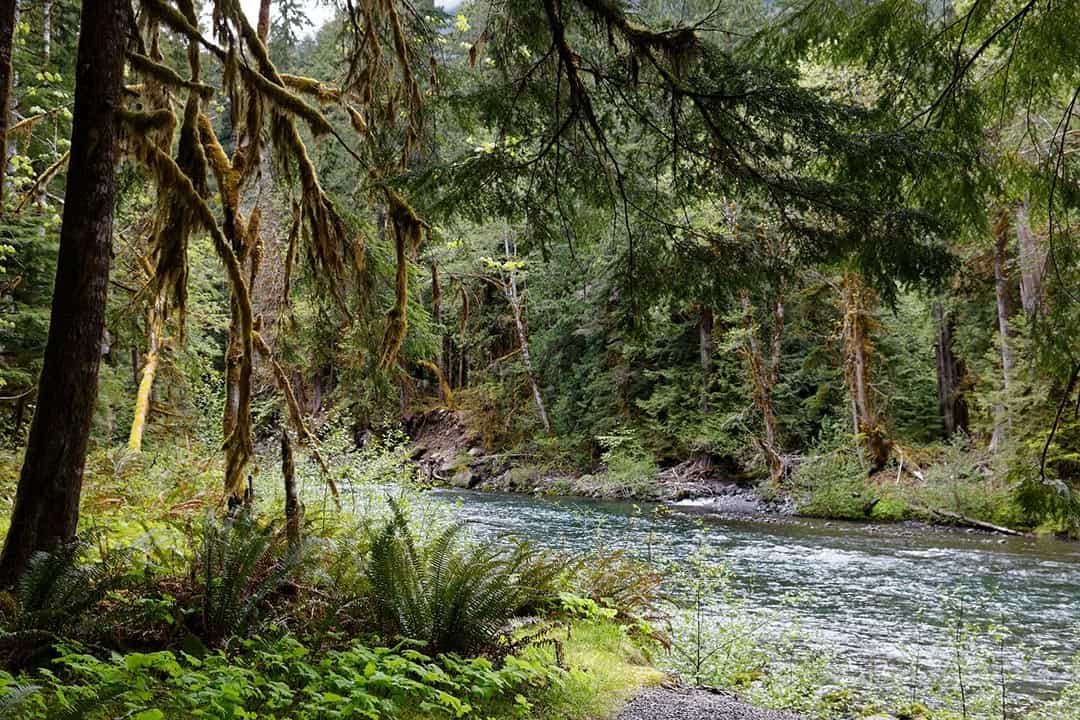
(662, 703)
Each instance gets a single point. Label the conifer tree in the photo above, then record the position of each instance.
(46, 509)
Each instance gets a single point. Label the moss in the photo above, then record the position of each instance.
(890, 510)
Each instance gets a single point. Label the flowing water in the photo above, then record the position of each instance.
(872, 595)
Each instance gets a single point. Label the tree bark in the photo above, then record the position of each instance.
(436, 316)
(705, 341)
(146, 381)
(950, 374)
(519, 321)
(8, 12)
(263, 28)
(46, 31)
(46, 509)
(764, 373)
(1032, 262)
(856, 300)
(294, 512)
(1004, 312)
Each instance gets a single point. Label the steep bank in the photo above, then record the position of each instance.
(449, 453)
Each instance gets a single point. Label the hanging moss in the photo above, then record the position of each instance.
(358, 122)
(254, 242)
(238, 443)
(175, 218)
(288, 102)
(148, 122)
(175, 21)
(290, 254)
(321, 91)
(167, 76)
(407, 230)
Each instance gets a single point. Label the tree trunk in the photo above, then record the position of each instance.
(519, 321)
(1032, 262)
(705, 341)
(856, 300)
(950, 374)
(436, 316)
(1004, 312)
(146, 382)
(294, 513)
(8, 11)
(263, 28)
(46, 509)
(46, 32)
(763, 376)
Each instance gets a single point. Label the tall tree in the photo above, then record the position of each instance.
(8, 13)
(46, 509)
(950, 375)
(1003, 304)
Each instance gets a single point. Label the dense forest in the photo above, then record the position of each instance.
(267, 263)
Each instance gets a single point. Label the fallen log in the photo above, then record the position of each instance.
(969, 521)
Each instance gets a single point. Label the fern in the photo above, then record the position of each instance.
(13, 701)
(240, 565)
(450, 595)
(57, 596)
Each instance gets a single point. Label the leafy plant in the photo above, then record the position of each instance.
(615, 580)
(452, 596)
(240, 565)
(281, 679)
(55, 597)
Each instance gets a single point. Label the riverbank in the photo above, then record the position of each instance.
(864, 595)
(448, 453)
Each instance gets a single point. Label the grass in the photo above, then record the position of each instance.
(606, 668)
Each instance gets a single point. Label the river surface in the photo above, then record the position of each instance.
(874, 596)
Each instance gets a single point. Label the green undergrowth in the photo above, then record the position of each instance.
(282, 678)
(957, 480)
(388, 608)
(606, 666)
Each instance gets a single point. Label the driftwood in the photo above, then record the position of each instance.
(969, 521)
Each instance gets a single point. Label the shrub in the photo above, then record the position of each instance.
(614, 580)
(631, 469)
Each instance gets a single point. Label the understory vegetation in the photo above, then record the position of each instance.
(386, 609)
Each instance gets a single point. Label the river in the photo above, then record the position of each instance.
(872, 595)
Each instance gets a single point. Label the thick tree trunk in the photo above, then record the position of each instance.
(1004, 312)
(46, 509)
(519, 321)
(950, 374)
(1032, 259)
(705, 341)
(8, 12)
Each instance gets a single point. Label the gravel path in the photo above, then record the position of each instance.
(660, 703)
